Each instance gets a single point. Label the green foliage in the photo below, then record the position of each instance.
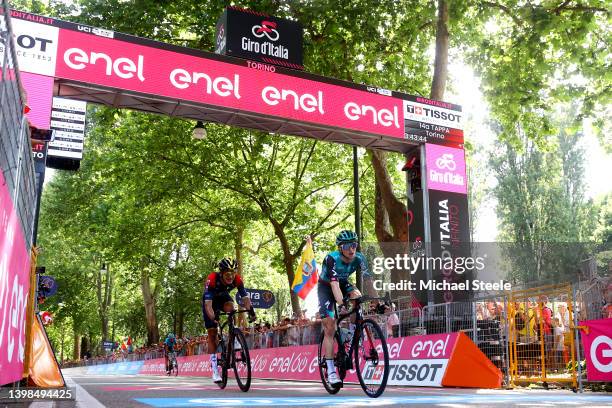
(533, 55)
(542, 207)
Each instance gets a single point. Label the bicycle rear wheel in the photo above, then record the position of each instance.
(371, 358)
(323, 364)
(174, 370)
(241, 361)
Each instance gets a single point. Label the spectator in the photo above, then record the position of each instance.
(606, 311)
(269, 335)
(559, 344)
(293, 332)
(563, 316)
(392, 322)
(490, 312)
(479, 311)
(545, 314)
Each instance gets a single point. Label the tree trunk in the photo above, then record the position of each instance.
(85, 344)
(62, 342)
(76, 351)
(438, 85)
(288, 261)
(390, 213)
(180, 323)
(396, 211)
(150, 309)
(104, 279)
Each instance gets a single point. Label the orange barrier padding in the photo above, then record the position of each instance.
(469, 367)
(44, 371)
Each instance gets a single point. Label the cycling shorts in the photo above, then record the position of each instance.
(219, 300)
(326, 296)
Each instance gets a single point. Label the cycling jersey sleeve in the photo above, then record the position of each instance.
(330, 264)
(363, 265)
(209, 290)
(240, 286)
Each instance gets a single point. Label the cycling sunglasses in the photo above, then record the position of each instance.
(348, 245)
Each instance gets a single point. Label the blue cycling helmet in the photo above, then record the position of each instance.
(171, 335)
(346, 236)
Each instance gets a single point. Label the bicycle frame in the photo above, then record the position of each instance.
(358, 322)
(230, 328)
(229, 322)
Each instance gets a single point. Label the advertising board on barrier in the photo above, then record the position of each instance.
(597, 343)
(14, 286)
(435, 360)
(129, 367)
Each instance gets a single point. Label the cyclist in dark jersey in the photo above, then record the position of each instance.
(216, 298)
(334, 286)
(169, 345)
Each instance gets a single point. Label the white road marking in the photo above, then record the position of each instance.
(83, 398)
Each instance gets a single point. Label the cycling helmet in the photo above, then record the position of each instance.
(346, 236)
(227, 264)
(170, 335)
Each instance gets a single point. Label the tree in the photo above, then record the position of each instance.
(541, 204)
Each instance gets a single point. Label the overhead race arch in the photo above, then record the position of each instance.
(120, 70)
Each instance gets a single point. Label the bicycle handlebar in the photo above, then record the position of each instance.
(233, 312)
(362, 299)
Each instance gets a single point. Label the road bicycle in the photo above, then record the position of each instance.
(234, 353)
(172, 363)
(367, 348)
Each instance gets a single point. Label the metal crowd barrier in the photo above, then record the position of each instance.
(484, 321)
(543, 336)
(510, 329)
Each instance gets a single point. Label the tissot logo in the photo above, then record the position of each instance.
(266, 28)
(433, 113)
(35, 43)
(36, 47)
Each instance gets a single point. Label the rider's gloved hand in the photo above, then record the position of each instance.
(343, 308)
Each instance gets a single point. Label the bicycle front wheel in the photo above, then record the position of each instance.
(371, 358)
(223, 364)
(241, 361)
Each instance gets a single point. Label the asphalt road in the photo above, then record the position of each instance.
(152, 391)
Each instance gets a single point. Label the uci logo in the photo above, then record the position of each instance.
(605, 353)
(267, 28)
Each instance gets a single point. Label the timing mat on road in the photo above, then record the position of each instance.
(364, 401)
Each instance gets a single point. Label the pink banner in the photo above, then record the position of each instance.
(39, 96)
(597, 343)
(14, 286)
(445, 169)
(300, 363)
(113, 63)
